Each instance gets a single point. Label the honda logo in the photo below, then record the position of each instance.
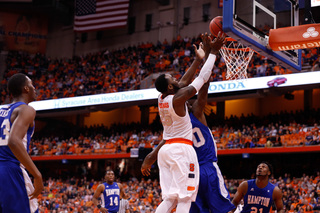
(311, 32)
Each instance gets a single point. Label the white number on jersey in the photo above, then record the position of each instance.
(4, 131)
(165, 117)
(255, 210)
(198, 139)
(114, 202)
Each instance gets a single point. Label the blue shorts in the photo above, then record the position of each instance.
(212, 194)
(13, 193)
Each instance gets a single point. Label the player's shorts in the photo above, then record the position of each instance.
(14, 189)
(213, 194)
(179, 170)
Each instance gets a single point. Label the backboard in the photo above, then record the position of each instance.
(249, 22)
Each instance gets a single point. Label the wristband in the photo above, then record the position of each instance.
(99, 206)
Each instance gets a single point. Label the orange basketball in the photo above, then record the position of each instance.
(216, 25)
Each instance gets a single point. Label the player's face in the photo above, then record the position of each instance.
(109, 176)
(172, 81)
(262, 170)
(32, 91)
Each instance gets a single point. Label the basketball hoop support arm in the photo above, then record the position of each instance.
(294, 12)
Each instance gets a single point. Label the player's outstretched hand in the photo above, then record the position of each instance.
(206, 41)
(218, 42)
(38, 187)
(199, 52)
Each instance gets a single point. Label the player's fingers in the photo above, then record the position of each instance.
(143, 171)
(215, 39)
(195, 47)
(225, 41)
(148, 172)
(219, 35)
(223, 36)
(201, 45)
(209, 38)
(33, 195)
(204, 37)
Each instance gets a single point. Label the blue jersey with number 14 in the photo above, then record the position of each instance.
(203, 142)
(111, 197)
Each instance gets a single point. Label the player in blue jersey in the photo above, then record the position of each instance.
(109, 192)
(259, 194)
(213, 195)
(17, 193)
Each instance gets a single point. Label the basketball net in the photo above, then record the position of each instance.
(237, 58)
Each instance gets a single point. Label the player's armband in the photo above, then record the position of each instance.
(205, 72)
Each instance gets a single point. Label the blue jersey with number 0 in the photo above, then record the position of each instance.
(111, 197)
(213, 195)
(203, 142)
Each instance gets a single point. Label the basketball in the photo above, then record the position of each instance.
(216, 25)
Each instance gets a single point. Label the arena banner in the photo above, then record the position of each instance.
(274, 81)
(23, 32)
(296, 37)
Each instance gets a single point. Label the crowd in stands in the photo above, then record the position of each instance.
(283, 129)
(301, 195)
(123, 69)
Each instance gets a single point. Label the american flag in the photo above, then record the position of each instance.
(93, 15)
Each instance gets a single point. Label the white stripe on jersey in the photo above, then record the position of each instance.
(30, 189)
(223, 190)
(103, 204)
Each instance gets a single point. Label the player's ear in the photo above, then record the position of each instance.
(26, 88)
(170, 87)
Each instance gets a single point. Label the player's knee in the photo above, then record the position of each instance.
(183, 205)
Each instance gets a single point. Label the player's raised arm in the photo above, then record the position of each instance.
(199, 104)
(202, 52)
(189, 75)
(186, 93)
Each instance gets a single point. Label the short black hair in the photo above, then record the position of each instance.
(269, 166)
(161, 83)
(109, 170)
(16, 84)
